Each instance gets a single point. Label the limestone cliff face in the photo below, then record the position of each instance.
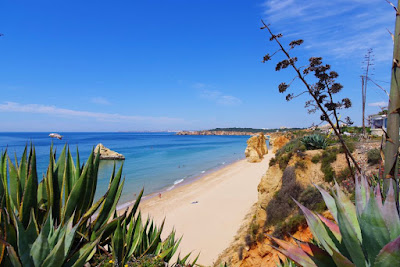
(261, 253)
(279, 142)
(256, 148)
(106, 153)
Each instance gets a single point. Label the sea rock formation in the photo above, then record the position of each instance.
(256, 148)
(106, 153)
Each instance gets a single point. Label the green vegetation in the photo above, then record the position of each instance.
(316, 158)
(253, 130)
(300, 164)
(283, 155)
(344, 174)
(314, 141)
(374, 156)
(51, 223)
(364, 234)
(281, 205)
(328, 157)
(309, 197)
(355, 129)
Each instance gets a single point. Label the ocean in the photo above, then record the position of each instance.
(155, 161)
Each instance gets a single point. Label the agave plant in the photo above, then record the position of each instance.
(51, 221)
(137, 240)
(314, 141)
(364, 234)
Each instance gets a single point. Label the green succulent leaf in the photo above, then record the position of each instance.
(373, 228)
(349, 234)
(329, 201)
(294, 252)
(391, 214)
(389, 254)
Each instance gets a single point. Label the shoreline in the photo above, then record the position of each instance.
(172, 187)
(208, 210)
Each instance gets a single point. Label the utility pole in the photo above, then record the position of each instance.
(364, 79)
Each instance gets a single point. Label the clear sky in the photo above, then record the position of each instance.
(178, 64)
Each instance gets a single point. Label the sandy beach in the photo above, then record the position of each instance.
(209, 211)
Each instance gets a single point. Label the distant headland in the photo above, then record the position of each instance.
(236, 131)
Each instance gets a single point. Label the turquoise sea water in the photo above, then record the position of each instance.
(155, 161)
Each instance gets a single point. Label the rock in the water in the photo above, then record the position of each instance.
(106, 153)
(256, 148)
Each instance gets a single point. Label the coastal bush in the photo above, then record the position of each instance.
(328, 157)
(344, 174)
(374, 156)
(282, 205)
(272, 161)
(312, 199)
(351, 145)
(301, 165)
(57, 222)
(314, 141)
(316, 158)
(284, 154)
(289, 226)
(284, 159)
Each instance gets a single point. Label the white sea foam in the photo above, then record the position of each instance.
(203, 171)
(178, 181)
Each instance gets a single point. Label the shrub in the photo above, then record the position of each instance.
(312, 199)
(284, 154)
(351, 145)
(272, 162)
(316, 158)
(328, 157)
(344, 174)
(282, 205)
(314, 141)
(283, 160)
(289, 226)
(301, 165)
(374, 156)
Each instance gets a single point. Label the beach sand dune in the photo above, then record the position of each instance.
(209, 211)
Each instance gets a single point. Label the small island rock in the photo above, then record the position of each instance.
(106, 153)
(256, 148)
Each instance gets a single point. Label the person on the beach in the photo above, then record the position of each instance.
(159, 195)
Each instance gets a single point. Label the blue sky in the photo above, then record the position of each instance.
(172, 65)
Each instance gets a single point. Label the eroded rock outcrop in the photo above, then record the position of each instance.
(279, 142)
(256, 148)
(106, 153)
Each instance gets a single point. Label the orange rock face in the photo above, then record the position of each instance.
(256, 148)
(279, 142)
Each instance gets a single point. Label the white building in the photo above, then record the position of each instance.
(377, 123)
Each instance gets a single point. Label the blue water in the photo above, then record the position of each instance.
(155, 161)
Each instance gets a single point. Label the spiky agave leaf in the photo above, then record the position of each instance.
(365, 235)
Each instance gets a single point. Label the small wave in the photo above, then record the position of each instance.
(203, 171)
(170, 188)
(178, 181)
(223, 163)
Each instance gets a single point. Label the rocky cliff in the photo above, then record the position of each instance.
(106, 153)
(251, 246)
(256, 148)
